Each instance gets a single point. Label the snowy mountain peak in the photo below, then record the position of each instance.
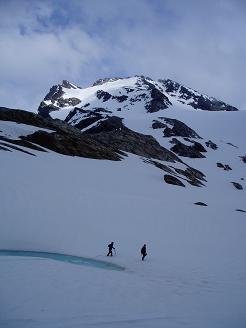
(138, 94)
(66, 84)
(105, 80)
(194, 98)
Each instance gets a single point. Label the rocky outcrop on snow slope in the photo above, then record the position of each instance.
(60, 137)
(192, 151)
(170, 179)
(193, 98)
(108, 139)
(237, 185)
(173, 127)
(112, 131)
(105, 141)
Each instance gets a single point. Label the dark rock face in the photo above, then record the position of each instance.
(199, 147)
(194, 98)
(126, 140)
(211, 145)
(177, 129)
(22, 143)
(21, 116)
(106, 96)
(112, 123)
(55, 93)
(55, 96)
(45, 110)
(193, 151)
(237, 185)
(194, 177)
(103, 95)
(243, 158)
(220, 165)
(226, 167)
(158, 125)
(112, 132)
(65, 139)
(138, 98)
(191, 175)
(66, 84)
(239, 210)
(72, 145)
(158, 101)
(194, 173)
(230, 144)
(170, 179)
(161, 166)
(201, 204)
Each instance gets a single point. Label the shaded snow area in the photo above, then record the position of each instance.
(194, 274)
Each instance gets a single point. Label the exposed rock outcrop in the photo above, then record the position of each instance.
(211, 144)
(158, 101)
(64, 139)
(112, 132)
(237, 185)
(174, 128)
(243, 158)
(170, 179)
(201, 204)
(226, 167)
(193, 98)
(194, 151)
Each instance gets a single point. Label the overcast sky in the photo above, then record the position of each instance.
(201, 44)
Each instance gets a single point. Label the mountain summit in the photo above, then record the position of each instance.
(123, 94)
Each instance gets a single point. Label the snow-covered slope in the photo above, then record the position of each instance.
(194, 274)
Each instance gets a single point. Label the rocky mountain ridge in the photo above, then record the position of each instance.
(126, 93)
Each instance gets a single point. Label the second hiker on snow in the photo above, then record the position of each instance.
(110, 249)
(143, 252)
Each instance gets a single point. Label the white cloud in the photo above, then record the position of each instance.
(199, 44)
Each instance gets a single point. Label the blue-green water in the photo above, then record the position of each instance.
(64, 258)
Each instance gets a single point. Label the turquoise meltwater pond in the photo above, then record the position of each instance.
(64, 258)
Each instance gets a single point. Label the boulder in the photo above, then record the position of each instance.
(243, 158)
(227, 167)
(170, 179)
(201, 204)
(237, 185)
(220, 165)
(211, 145)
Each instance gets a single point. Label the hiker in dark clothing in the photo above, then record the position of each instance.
(143, 251)
(110, 248)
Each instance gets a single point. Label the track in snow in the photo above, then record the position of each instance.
(64, 258)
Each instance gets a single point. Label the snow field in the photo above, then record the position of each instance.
(194, 273)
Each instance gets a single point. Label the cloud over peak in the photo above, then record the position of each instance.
(196, 43)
